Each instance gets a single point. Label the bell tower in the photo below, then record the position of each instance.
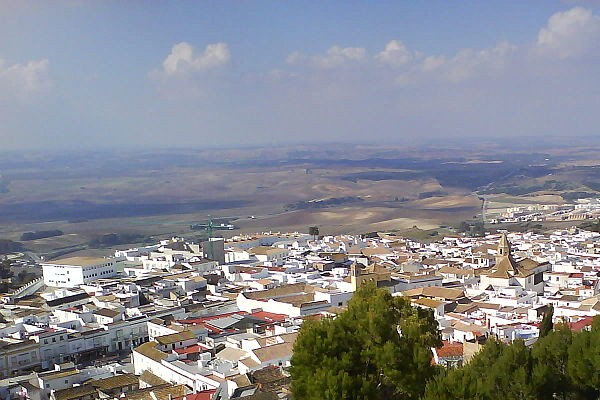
(503, 248)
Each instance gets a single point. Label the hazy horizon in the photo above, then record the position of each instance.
(525, 144)
(91, 74)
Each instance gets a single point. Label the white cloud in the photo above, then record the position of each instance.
(295, 58)
(25, 78)
(497, 89)
(183, 58)
(569, 33)
(395, 53)
(464, 65)
(336, 56)
(431, 63)
(416, 68)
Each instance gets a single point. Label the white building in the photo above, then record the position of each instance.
(75, 271)
(508, 272)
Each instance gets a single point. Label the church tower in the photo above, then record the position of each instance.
(504, 251)
(503, 246)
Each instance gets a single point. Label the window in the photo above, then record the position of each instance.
(45, 341)
(53, 340)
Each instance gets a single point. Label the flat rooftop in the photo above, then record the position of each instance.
(78, 261)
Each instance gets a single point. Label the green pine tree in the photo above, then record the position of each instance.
(547, 325)
(497, 371)
(550, 357)
(584, 361)
(378, 349)
(313, 231)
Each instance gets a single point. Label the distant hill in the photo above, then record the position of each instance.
(41, 234)
(8, 246)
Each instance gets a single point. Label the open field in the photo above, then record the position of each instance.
(341, 188)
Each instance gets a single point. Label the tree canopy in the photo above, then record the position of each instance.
(313, 231)
(379, 348)
(560, 365)
(8, 246)
(547, 325)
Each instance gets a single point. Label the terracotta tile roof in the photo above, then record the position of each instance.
(266, 250)
(159, 393)
(466, 327)
(249, 362)
(283, 290)
(151, 379)
(435, 292)
(430, 303)
(456, 271)
(175, 337)
(269, 317)
(274, 352)
(203, 395)
(450, 350)
(466, 308)
(232, 354)
(107, 312)
(581, 324)
(149, 350)
(197, 348)
(114, 382)
(75, 392)
(375, 251)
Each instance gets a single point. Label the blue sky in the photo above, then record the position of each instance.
(79, 74)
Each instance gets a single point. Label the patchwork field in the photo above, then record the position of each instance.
(340, 188)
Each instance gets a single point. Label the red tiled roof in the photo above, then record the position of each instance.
(197, 348)
(450, 350)
(269, 317)
(581, 324)
(277, 269)
(203, 395)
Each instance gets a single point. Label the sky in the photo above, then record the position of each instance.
(77, 74)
